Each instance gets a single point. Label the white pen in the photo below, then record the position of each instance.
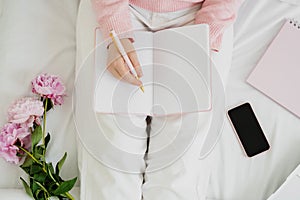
(123, 53)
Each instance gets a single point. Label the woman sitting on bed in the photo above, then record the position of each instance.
(180, 180)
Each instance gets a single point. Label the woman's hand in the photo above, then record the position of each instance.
(118, 67)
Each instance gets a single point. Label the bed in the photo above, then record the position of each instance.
(39, 36)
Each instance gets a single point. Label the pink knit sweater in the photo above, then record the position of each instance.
(218, 14)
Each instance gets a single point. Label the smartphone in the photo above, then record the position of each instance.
(248, 130)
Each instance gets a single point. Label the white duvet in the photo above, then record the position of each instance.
(235, 177)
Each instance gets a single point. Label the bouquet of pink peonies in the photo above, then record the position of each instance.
(23, 140)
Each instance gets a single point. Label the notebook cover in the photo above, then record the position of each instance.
(277, 74)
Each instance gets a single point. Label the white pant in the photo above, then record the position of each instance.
(170, 170)
(168, 174)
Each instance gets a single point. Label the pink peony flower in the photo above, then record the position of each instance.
(25, 111)
(11, 134)
(49, 86)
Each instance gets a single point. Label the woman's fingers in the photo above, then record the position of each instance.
(130, 50)
(114, 72)
(118, 67)
(120, 71)
(126, 74)
(112, 68)
(135, 62)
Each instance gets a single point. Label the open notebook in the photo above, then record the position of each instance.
(278, 72)
(177, 74)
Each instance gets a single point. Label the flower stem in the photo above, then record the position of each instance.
(44, 120)
(57, 183)
(44, 131)
(70, 196)
(31, 156)
(67, 193)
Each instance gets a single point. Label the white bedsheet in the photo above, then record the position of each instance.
(38, 36)
(235, 176)
(19, 194)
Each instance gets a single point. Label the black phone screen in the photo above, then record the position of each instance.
(248, 129)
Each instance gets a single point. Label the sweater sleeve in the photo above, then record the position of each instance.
(113, 14)
(218, 14)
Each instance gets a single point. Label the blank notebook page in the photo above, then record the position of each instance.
(278, 72)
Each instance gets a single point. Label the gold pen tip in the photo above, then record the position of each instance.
(142, 88)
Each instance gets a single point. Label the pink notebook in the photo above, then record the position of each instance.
(277, 74)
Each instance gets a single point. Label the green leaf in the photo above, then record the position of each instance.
(40, 177)
(51, 186)
(47, 140)
(37, 192)
(50, 168)
(36, 136)
(27, 188)
(41, 186)
(65, 186)
(27, 163)
(35, 168)
(38, 152)
(60, 164)
(26, 169)
(34, 186)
